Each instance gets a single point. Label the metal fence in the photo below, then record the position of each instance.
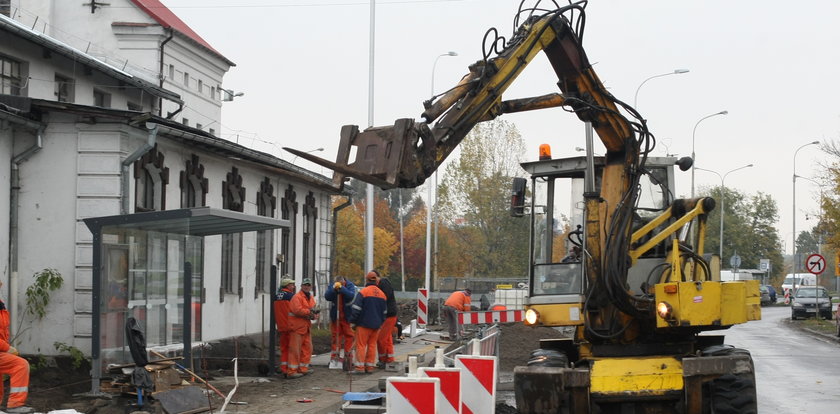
(485, 343)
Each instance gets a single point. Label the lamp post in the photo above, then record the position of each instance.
(314, 150)
(675, 72)
(819, 240)
(794, 210)
(431, 188)
(723, 200)
(693, 157)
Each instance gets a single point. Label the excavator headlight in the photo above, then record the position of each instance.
(531, 317)
(664, 310)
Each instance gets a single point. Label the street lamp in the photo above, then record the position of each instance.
(722, 200)
(693, 157)
(314, 150)
(675, 72)
(819, 239)
(430, 207)
(794, 210)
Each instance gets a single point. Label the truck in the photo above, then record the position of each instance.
(798, 279)
(646, 306)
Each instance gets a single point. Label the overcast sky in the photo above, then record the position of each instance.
(303, 66)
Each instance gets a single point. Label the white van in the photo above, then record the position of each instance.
(801, 279)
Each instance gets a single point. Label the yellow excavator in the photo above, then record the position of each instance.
(636, 289)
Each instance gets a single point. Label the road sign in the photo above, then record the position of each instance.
(735, 261)
(764, 265)
(815, 264)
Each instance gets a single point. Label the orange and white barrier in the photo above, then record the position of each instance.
(475, 318)
(412, 395)
(422, 307)
(478, 383)
(449, 398)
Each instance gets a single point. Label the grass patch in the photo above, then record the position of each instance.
(318, 332)
(824, 326)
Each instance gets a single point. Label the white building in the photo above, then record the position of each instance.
(145, 39)
(80, 138)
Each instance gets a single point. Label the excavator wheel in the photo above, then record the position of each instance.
(734, 394)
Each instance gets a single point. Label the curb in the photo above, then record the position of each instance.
(823, 335)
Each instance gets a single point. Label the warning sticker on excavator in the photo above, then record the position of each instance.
(698, 299)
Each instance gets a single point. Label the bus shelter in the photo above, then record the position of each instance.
(149, 266)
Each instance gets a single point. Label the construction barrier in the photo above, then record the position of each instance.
(422, 307)
(484, 317)
(478, 383)
(449, 398)
(412, 395)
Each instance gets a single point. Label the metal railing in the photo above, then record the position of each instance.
(486, 342)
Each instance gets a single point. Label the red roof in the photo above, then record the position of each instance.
(156, 10)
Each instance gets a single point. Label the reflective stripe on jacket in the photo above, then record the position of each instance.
(370, 311)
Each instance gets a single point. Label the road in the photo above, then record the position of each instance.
(795, 372)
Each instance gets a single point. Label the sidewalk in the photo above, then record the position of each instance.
(324, 387)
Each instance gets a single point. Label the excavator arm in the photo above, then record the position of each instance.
(408, 152)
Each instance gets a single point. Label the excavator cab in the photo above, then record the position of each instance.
(556, 206)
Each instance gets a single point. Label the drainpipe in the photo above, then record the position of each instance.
(134, 156)
(334, 231)
(13, 222)
(162, 44)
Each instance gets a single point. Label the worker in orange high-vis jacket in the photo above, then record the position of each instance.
(458, 301)
(385, 342)
(367, 315)
(282, 308)
(301, 313)
(14, 366)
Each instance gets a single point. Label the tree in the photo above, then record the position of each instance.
(349, 242)
(749, 229)
(474, 201)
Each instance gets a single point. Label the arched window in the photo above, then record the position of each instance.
(233, 198)
(150, 179)
(288, 211)
(266, 204)
(310, 216)
(193, 184)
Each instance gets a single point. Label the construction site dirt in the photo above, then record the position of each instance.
(59, 385)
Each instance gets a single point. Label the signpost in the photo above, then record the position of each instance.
(816, 265)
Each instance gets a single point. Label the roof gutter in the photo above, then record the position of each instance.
(14, 208)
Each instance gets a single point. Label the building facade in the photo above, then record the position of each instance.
(66, 155)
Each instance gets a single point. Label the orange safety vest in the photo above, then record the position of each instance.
(459, 300)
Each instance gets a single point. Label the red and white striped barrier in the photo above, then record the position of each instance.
(478, 383)
(422, 307)
(449, 398)
(475, 318)
(412, 395)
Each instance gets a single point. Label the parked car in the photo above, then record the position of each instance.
(808, 301)
(765, 295)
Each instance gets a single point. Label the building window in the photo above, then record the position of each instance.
(10, 76)
(200, 87)
(186, 79)
(172, 72)
(310, 215)
(101, 99)
(134, 107)
(193, 184)
(213, 93)
(233, 198)
(266, 204)
(150, 179)
(64, 89)
(288, 211)
(185, 121)
(212, 131)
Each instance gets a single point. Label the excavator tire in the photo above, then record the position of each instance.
(734, 394)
